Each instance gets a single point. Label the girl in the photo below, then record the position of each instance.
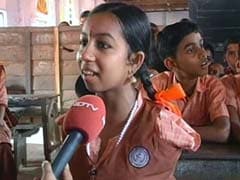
(141, 139)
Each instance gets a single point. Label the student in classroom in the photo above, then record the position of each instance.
(7, 165)
(180, 46)
(231, 82)
(209, 50)
(216, 69)
(83, 16)
(114, 45)
(231, 56)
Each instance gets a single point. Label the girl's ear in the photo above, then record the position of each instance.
(136, 60)
(169, 63)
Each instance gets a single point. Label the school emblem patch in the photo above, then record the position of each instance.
(139, 157)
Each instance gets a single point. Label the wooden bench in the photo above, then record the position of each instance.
(210, 162)
(20, 133)
(34, 111)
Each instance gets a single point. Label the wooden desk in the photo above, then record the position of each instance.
(211, 162)
(47, 103)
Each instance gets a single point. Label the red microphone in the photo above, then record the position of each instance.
(83, 123)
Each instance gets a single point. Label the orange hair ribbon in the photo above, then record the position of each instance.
(164, 97)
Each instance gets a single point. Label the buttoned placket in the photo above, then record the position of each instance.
(93, 171)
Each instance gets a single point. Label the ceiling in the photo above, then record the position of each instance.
(157, 5)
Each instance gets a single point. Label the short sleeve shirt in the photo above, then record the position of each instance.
(149, 149)
(205, 104)
(5, 132)
(232, 84)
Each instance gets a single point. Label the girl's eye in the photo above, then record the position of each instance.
(103, 45)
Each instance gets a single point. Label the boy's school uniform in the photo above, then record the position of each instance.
(232, 84)
(206, 103)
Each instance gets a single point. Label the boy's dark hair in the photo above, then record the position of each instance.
(137, 32)
(171, 36)
(209, 46)
(84, 14)
(230, 41)
(63, 23)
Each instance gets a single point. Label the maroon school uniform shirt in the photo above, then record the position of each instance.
(148, 149)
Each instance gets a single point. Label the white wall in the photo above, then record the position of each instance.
(24, 12)
(167, 17)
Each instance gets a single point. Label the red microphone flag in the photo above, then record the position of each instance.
(86, 115)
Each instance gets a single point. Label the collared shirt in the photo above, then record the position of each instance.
(149, 149)
(207, 102)
(5, 132)
(232, 84)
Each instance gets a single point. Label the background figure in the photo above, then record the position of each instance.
(209, 50)
(181, 48)
(63, 23)
(153, 62)
(7, 165)
(231, 82)
(231, 56)
(84, 16)
(140, 139)
(216, 69)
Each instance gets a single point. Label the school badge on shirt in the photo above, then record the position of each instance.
(139, 157)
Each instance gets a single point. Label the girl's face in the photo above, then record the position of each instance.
(232, 55)
(191, 58)
(104, 53)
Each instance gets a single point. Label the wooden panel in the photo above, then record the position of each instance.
(16, 81)
(69, 51)
(70, 35)
(12, 53)
(30, 58)
(42, 38)
(15, 69)
(28, 65)
(70, 68)
(11, 38)
(42, 52)
(41, 67)
(157, 5)
(68, 82)
(43, 82)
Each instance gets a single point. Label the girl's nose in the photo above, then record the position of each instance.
(87, 54)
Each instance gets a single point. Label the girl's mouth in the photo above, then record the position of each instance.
(88, 73)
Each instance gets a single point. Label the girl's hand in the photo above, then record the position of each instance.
(47, 173)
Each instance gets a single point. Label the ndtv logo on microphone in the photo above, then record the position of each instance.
(85, 104)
